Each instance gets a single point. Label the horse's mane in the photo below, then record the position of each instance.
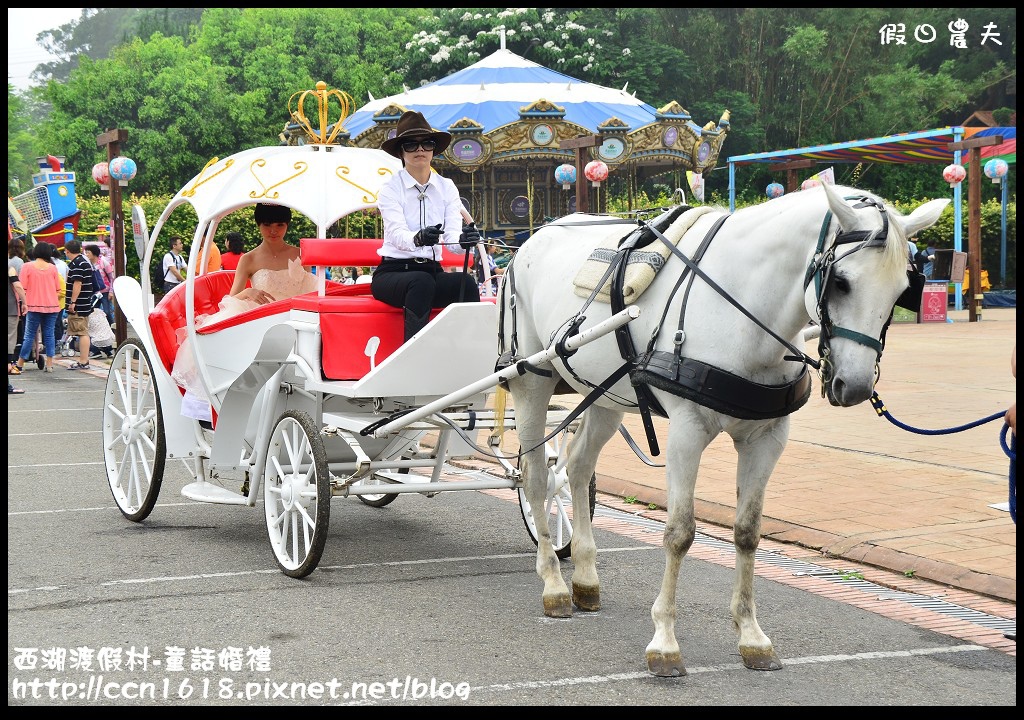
(895, 248)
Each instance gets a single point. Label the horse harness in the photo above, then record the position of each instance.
(695, 380)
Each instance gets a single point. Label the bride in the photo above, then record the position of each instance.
(270, 272)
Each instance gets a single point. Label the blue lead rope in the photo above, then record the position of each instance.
(1011, 450)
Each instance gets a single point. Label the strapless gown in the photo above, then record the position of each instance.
(282, 284)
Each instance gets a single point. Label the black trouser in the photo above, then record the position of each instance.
(418, 287)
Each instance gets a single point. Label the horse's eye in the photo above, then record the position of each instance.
(841, 284)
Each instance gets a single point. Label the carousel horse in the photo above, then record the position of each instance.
(716, 348)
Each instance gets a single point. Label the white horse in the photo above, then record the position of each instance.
(832, 255)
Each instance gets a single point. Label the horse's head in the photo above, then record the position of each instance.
(857, 273)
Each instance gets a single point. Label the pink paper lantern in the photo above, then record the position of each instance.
(954, 174)
(596, 172)
(101, 174)
(809, 183)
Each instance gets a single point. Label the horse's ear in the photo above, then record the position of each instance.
(842, 212)
(924, 216)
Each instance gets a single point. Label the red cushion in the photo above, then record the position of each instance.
(347, 324)
(169, 314)
(359, 252)
(349, 315)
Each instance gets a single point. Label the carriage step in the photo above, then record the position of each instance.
(210, 493)
(393, 476)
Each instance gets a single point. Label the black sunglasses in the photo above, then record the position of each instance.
(412, 146)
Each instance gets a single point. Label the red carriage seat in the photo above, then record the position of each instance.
(350, 316)
(169, 315)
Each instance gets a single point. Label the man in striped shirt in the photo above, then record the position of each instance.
(79, 303)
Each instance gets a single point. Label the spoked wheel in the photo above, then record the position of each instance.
(134, 450)
(382, 499)
(558, 505)
(297, 493)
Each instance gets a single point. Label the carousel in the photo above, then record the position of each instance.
(523, 136)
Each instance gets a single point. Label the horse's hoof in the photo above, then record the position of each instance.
(558, 606)
(760, 659)
(587, 599)
(663, 665)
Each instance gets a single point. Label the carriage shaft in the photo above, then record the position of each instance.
(576, 341)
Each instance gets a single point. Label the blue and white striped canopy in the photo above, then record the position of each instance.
(494, 90)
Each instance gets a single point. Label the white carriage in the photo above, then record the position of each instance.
(316, 396)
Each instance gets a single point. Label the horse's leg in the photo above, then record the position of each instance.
(596, 429)
(531, 394)
(758, 454)
(686, 442)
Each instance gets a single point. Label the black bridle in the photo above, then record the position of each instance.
(820, 272)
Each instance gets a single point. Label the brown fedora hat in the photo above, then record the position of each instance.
(413, 126)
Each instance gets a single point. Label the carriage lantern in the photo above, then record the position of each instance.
(596, 171)
(774, 190)
(101, 174)
(565, 174)
(996, 169)
(954, 174)
(123, 169)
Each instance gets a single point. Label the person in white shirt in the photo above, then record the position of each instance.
(420, 210)
(174, 265)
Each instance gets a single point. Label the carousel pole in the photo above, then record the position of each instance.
(579, 145)
(529, 195)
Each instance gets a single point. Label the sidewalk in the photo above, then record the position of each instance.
(853, 485)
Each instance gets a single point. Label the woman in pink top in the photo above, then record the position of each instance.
(42, 287)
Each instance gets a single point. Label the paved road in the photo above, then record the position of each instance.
(437, 592)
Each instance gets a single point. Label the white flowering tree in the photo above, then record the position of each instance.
(603, 46)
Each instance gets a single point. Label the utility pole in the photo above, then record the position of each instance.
(974, 146)
(112, 139)
(582, 189)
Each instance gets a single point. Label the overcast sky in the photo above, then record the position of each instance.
(23, 54)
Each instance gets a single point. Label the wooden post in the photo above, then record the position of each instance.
(112, 139)
(974, 146)
(791, 167)
(582, 189)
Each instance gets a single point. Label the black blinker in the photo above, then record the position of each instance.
(911, 297)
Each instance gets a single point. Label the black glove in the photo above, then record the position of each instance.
(470, 236)
(427, 236)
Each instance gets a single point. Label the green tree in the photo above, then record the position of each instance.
(22, 148)
(789, 76)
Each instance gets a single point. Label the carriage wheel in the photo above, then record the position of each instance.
(297, 493)
(382, 499)
(559, 501)
(556, 511)
(134, 450)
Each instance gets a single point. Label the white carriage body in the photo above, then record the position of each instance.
(265, 376)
